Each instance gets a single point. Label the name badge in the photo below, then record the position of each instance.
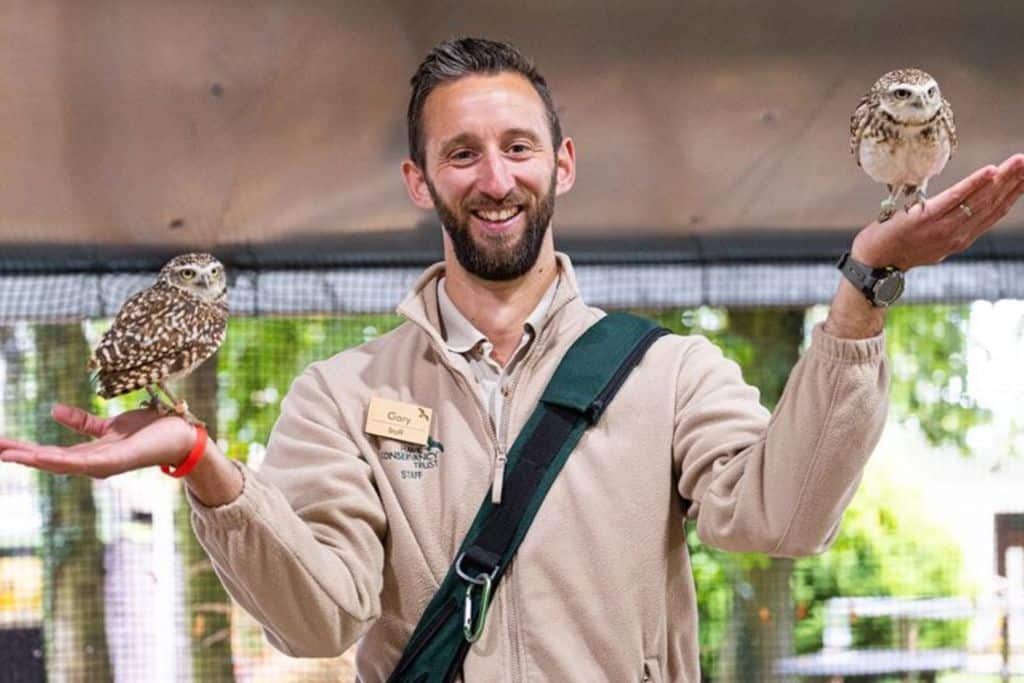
(399, 421)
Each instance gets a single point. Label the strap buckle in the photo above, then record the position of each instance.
(484, 580)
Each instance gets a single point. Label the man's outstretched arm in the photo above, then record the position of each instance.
(925, 236)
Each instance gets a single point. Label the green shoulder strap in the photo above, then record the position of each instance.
(584, 383)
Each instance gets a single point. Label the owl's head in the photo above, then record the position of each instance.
(198, 274)
(909, 95)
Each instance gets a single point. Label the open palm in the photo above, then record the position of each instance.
(132, 440)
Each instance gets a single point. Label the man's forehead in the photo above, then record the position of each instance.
(483, 104)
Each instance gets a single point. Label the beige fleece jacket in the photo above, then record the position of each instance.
(342, 535)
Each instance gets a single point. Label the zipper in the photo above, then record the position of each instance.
(512, 576)
(597, 407)
(502, 459)
(499, 474)
(481, 412)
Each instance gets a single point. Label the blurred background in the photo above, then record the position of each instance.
(715, 190)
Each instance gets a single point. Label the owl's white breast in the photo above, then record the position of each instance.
(909, 160)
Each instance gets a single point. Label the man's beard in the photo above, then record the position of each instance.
(500, 260)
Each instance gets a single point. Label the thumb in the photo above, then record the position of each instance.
(78, 420)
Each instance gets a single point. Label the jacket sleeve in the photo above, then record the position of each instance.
(778, 483)
(300, 549)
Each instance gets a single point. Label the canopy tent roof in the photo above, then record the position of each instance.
(271, 132)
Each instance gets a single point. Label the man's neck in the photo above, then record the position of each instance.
(500, 309)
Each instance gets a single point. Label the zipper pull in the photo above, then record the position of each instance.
(499, 476)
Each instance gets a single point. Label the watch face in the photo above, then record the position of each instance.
(889, 289)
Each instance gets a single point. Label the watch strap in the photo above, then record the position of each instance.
(866, 278)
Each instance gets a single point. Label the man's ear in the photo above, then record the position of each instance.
(416, 185)
(565, 164)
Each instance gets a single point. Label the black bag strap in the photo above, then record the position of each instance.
(586, 380)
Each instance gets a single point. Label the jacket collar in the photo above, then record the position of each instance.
(420, 305)
(461, 335)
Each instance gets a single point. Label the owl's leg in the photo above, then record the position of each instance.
(888, 207)
(157, 403)
(920, 194)
(181, 407)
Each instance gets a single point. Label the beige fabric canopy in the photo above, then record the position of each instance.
(149, 123)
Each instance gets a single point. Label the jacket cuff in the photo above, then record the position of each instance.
(847, 350)
(230, 515)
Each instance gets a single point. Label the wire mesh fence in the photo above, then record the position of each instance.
(103, 580)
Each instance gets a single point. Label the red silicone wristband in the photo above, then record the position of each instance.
(189, 463)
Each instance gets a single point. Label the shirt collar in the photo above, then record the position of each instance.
(461, 335)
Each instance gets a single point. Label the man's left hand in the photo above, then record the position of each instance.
(948, 223)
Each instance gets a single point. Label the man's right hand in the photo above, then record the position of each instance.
(130, 441)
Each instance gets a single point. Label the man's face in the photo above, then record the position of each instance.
(491, 172)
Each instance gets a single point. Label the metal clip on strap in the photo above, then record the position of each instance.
(483, 579)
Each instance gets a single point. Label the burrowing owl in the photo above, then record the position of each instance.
(164, 332)
(902, 134)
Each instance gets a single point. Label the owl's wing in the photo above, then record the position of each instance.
(946, 117)
(151, 325)
(858, 124)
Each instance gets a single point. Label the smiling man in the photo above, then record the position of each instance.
(382, 454)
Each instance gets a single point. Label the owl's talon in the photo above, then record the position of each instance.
(888, 209)
(193, 420)
(919, 200)
(154, 403)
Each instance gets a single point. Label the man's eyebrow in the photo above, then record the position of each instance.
(460, 140)
(522, 133)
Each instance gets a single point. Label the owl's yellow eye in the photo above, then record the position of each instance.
(187, 273)
(901, 93)
(931, 91)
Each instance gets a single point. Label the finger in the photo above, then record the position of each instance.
(968, 232)
(1001, 206)
(78, 420)
(1006, 177)
(11, 444)
(949, 200)
(44, 458)
(1013, 164)
(990, 202)
(95, 463)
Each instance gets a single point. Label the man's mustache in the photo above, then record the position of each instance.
(509, 202)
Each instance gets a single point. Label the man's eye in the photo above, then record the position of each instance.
(462, 155)
(519, 148)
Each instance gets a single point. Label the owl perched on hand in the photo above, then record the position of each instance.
(164, 332)
(902, 134)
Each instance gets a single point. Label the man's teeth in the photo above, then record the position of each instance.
(498, 216)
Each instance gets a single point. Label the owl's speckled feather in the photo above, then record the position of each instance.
(164, 332)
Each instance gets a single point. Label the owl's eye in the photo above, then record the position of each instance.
(217, 271)
(901, 93)
(931, 91)
(187, 273)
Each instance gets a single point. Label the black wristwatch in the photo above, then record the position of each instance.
(881, 286)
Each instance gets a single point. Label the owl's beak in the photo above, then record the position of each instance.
(206, 280)
(918, 102)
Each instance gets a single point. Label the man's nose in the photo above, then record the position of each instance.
(495, 179)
